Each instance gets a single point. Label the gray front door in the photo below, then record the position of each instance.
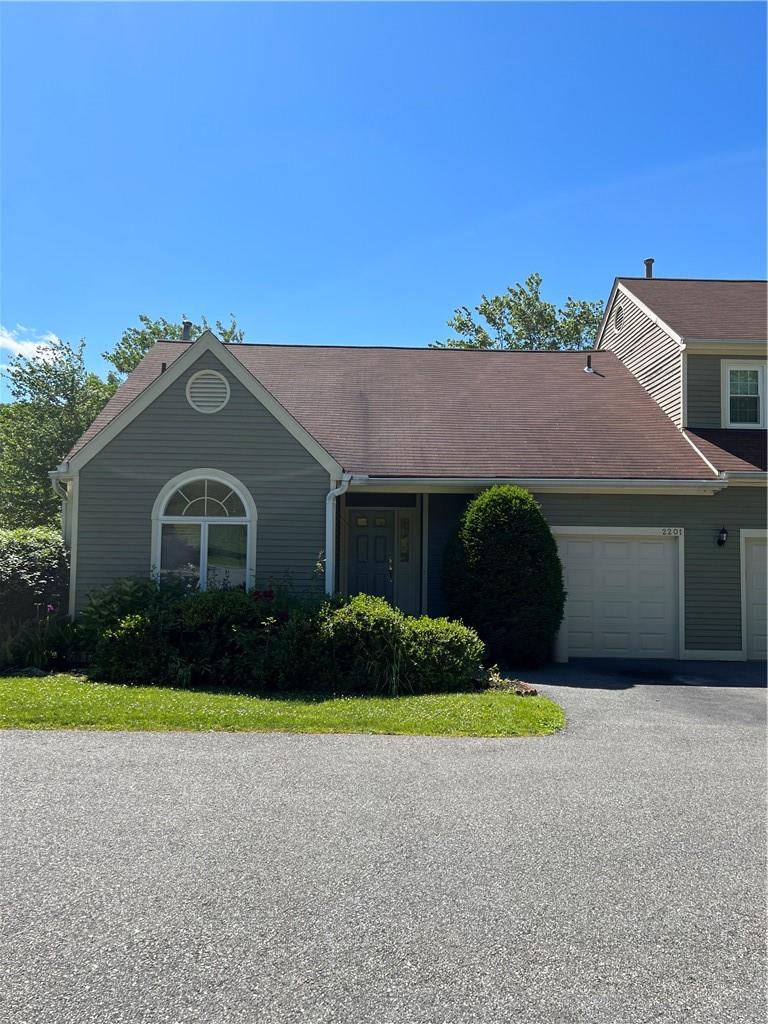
(371, 547)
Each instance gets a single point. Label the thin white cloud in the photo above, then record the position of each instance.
(25, 341)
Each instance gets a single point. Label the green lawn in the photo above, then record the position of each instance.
(71, 702)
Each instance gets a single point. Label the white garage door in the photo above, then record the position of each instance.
(622, 596)
(755, 591)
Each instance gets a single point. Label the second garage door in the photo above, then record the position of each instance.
(622, 596)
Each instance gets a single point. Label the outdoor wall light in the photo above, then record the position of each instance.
(722, 537)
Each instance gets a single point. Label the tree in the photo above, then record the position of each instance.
(55, 399)
(137, 341)
(502, 575)
(520, 319)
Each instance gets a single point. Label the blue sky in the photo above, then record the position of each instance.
(349, 173)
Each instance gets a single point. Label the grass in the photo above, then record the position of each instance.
(72, 702)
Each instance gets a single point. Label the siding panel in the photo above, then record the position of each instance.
(704, 389)
(118, 486)
(712, 574)
(649, 354)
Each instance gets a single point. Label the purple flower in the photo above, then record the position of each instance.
(51, 608)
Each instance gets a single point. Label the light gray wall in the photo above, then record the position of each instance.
(649, 354)
(118, 486)
(704, 389)
(712, 574)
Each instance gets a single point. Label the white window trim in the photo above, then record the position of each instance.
(249, 520)
(726, 366)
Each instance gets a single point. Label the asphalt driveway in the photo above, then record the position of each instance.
(612, 873)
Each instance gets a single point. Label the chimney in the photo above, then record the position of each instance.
(648, 266)
(186, 330)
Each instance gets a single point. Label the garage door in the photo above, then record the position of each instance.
(622, 596)
(755, 592)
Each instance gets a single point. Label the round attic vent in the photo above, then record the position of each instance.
(207, 391)
(618, 318)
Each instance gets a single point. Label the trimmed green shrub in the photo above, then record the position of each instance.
(139, 632)
(377, 649)
(503, 576)
(365, 638)
(440, 655)
(34, 572)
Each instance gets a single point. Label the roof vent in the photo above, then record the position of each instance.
(186, 330)
(207, 391)
(588, 367)
(649, 266)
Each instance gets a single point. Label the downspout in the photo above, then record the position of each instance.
(330, 527)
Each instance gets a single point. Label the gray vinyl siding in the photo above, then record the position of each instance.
(712, 573)
(704, 389)
(649, 353)
(118, 487)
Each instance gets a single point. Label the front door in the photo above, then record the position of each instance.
(371, 549)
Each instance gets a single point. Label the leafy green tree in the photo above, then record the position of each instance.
(137, 341)
(55, 399)
(520, 319)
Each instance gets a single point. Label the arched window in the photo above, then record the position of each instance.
(204, 530)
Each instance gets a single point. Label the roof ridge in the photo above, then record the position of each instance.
(700, 280)
(389, 348)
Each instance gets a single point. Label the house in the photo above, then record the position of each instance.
(350, 468)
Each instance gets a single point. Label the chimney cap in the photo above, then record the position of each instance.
(649, 266)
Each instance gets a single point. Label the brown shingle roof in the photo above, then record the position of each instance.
(695, 309)
(453, 413)
(732, 451)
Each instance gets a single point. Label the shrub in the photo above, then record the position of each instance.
(34, 574)
(503, 576)
(45, 643)
(377, 649)
(440, 654)
(367, 644)
(139, 632)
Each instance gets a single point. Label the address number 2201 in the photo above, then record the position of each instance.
(671, 531)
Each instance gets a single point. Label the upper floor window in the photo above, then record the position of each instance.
(203, 530)
(743, 395)
(618, 318)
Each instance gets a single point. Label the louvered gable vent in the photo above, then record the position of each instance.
(207, 391)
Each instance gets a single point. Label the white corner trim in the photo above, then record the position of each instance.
(725, 392)
(675, 533)
(75, 528)
(207, 342)
(250, 520)
(651, 315)
(744, 537)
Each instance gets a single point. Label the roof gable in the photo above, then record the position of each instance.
(161, 367)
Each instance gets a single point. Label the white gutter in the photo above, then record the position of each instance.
(330, 526)
(545, 483)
